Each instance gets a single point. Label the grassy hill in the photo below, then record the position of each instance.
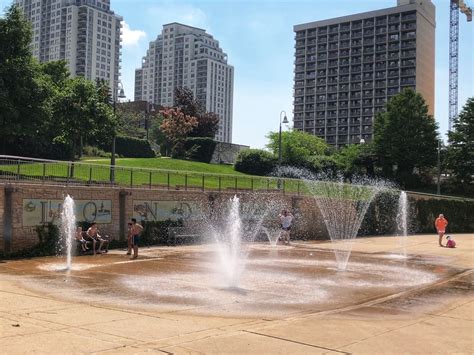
(168, 164)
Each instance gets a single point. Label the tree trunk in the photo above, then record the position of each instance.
(73, 157)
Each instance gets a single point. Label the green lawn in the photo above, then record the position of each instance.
(173, 174)
(163, 173)
(169, 164)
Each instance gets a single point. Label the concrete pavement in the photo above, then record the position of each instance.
(434, 318)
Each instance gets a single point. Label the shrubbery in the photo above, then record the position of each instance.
(48, 245)
(380, 218)
(130, 147)
(199, 148)
(255, 162)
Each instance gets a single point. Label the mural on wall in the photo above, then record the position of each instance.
(37, 211)
(164, 210)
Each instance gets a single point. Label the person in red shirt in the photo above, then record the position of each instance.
(440, 225)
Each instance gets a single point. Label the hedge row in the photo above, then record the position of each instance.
(129, 147)
(199, 148)
(380, 218)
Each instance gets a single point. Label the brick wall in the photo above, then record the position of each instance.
(308, 220)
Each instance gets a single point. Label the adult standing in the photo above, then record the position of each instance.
(286, 219)
(136, 230)
(440, 224)
(129, 238)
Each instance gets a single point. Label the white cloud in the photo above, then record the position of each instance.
(169, 11)
(131, 37)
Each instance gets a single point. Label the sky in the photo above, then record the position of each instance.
(258, 37)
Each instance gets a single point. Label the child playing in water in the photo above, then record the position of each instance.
(450, 243)
(80, 239)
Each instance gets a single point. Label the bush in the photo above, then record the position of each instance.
(323, 164)
(91, 151)
(199, 148)
(381, 216)
(130, 147)
(39, 147)
(48, 245)
(255, 162)
(457, 212)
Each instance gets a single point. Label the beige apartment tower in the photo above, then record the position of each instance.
(84, 33)
(186, 56)
(347, 68)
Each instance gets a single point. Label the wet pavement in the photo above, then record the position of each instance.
(412, 297)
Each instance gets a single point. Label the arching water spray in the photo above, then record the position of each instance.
(343, 205)
(68, 227)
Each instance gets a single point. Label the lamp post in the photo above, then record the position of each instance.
(438, 185)
(285, 121)
(119, 94)
(150, 108)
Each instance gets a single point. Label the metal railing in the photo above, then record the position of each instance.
(42, 171)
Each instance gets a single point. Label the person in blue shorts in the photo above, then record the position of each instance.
(136, 231)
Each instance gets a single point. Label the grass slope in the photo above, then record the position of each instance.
(169, 164)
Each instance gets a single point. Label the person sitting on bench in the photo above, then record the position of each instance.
(93, 234)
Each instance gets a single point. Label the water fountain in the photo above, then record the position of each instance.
(343, 207)
(402, 222)
(236, 224)
(68, 228)
(273, 235)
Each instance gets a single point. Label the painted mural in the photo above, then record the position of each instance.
(37, 211)
(166, 210)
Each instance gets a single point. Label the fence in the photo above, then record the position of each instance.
(30, 170)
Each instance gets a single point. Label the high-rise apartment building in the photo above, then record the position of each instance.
(185, 56)
(347, 68)
(84, 33)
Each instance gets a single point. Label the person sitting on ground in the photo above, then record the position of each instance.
(450, 243)
(80, 239)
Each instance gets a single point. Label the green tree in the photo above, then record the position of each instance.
(81, 112)
(405, 136)
(176, 126)
(207, 122)
(355, 159)
(296, 146)
(24, 94)
(460, 154)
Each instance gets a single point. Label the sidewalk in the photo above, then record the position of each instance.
(435, 319)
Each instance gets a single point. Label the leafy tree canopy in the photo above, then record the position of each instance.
(81, 111)
(296, 146)
(24, 93)
(207, 122)
(460, 155)
(405, 135)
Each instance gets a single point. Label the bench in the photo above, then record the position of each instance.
(182, 233)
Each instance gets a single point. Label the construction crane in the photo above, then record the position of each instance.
(456, 6)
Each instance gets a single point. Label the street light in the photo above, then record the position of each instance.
(285, 121)
(438, 185)
(147, 113)
(119, 94)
